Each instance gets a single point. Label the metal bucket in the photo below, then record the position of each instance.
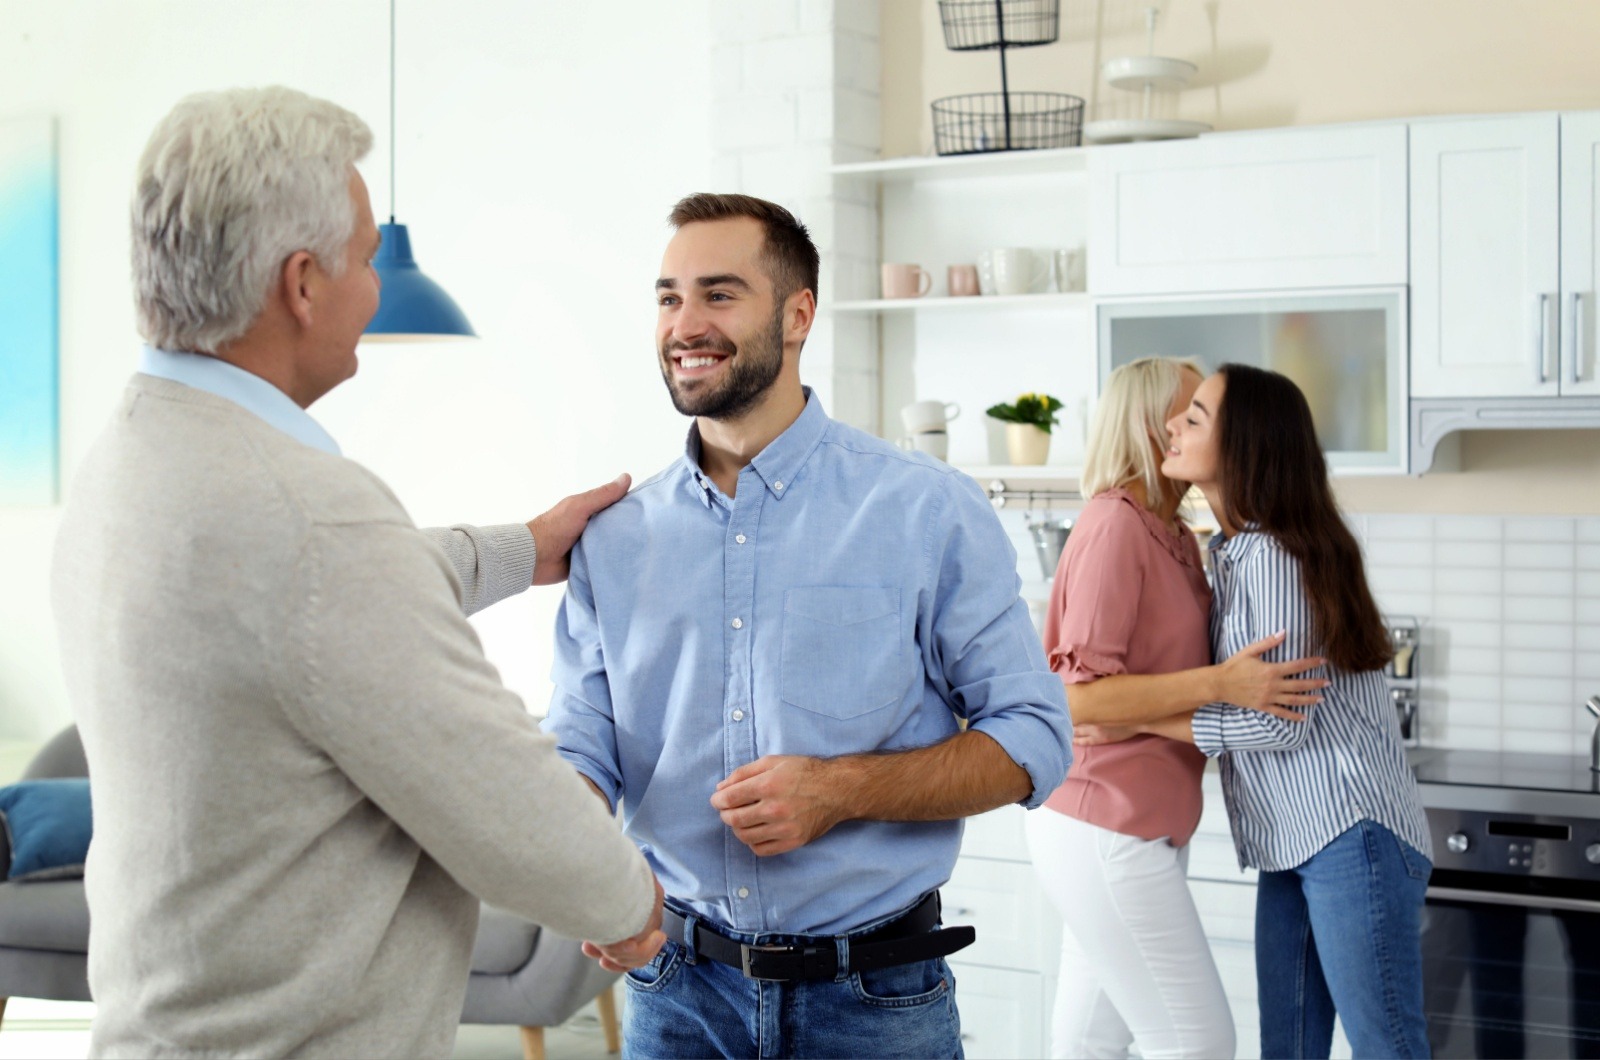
(1049, 538)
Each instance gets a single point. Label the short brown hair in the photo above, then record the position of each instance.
(790, 258)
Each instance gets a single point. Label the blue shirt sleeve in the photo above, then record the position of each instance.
(580, 715)
(979, 647)
(1274, 598)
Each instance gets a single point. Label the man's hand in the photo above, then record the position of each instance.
(1087, 735)
(635, 952)
(556, 531)
(779, 802)
(1245, 681)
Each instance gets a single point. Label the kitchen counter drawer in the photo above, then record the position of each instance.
(997, 834)
(1003, 1013)
(1017, 927)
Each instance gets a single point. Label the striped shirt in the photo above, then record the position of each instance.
(1294, 787)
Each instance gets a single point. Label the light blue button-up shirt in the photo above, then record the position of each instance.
(850, 598)
(232, 383)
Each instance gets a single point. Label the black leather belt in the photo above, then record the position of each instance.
(913, 937)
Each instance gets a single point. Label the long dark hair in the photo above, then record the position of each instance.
(1274, 476)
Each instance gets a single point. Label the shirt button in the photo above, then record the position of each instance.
(738, 623)
(739, 538)
(738, 715)
(778, 485)
(744, 892)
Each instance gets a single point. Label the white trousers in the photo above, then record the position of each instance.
(1135, 965)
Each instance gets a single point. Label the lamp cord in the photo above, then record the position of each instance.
(391, 111)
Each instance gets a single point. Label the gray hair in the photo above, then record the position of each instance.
(229, 186)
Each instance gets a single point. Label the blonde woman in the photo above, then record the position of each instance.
(1128, 632)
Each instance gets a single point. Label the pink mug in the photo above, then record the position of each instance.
(905, 281)
(962, 280)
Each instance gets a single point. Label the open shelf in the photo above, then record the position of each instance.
(1022, 476)
(993, 164)
(1070, 300)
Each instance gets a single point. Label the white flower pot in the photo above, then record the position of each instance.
(1027, 444)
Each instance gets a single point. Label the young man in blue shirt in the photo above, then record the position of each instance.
(763, 655)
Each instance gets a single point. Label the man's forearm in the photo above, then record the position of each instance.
(964, 775)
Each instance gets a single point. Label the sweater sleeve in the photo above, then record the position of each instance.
(395, 689)
(492, 562)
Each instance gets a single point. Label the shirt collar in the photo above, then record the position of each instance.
(232, 383)
(1235, 547)
(779, 463)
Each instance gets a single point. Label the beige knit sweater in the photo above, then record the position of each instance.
(303, 767)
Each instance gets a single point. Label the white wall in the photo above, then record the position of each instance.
(541, 146)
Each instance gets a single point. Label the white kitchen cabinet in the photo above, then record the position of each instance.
(1580, 253)
(1287, 208)
(1485, 239)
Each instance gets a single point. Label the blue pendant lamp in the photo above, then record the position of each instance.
(412, 308)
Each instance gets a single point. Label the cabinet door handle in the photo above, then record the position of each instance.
(1541, 331)
(1577, 337)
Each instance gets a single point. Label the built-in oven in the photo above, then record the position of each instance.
(1511, 932)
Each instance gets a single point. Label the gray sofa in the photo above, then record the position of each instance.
(521, 974)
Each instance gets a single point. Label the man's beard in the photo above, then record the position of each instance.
(751, 373)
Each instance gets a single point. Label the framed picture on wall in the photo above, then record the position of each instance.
(29, 254)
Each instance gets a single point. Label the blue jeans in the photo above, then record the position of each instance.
(683, 1006)
(1343, 933)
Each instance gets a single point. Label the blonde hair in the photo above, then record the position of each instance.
(1130, 425)
(231, 184)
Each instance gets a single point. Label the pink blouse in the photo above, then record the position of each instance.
(1130, 597)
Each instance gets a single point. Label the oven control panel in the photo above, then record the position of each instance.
(1515, 844)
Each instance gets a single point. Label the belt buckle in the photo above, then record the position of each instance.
(745, 950)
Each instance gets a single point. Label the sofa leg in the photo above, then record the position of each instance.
(607, 1002)
(532, 1043)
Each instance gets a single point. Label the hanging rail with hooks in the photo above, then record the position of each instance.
(1000, 495)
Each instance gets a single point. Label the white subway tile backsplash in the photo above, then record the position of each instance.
(1399, 553)
(1537, 608)
(1537, 664)
(1540, 529)
(1468, 554)
(1468, 528)
(1546, 636)
(1545, 743)
(1471, 738)
(1542, 717)
(1539, 582)
(1400, 579)
(1399, 527)
(1586, 610)
(1586, 638)
(1465, 660)
(1588, 583)
(1532, 694)
(1471, 635)
(1589, 557)
(1396, 603)
(1468, 580)
(1454, 607)
(1538, 557)
(1587, 668)
(1475, 713)
(1589, 530)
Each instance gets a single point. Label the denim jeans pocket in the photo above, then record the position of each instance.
(1418, 867)
(661, 970)
(903, 986)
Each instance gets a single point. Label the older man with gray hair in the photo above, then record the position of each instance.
(303, 767)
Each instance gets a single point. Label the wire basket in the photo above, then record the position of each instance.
(973, 25)
(995, 121)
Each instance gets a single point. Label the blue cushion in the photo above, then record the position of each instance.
(47, 828)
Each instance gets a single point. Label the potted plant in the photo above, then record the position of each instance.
(1028, 421)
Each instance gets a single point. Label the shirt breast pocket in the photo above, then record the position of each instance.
(842, 655)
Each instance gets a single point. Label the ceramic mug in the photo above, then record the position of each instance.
(905, 281)
(962, 280)
(920, 417)
(986, 272)
(1018, 270)
(1066, 269)
(935, 443)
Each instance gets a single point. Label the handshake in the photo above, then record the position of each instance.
(634, 952)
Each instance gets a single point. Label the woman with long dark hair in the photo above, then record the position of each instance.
(1326, 809)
